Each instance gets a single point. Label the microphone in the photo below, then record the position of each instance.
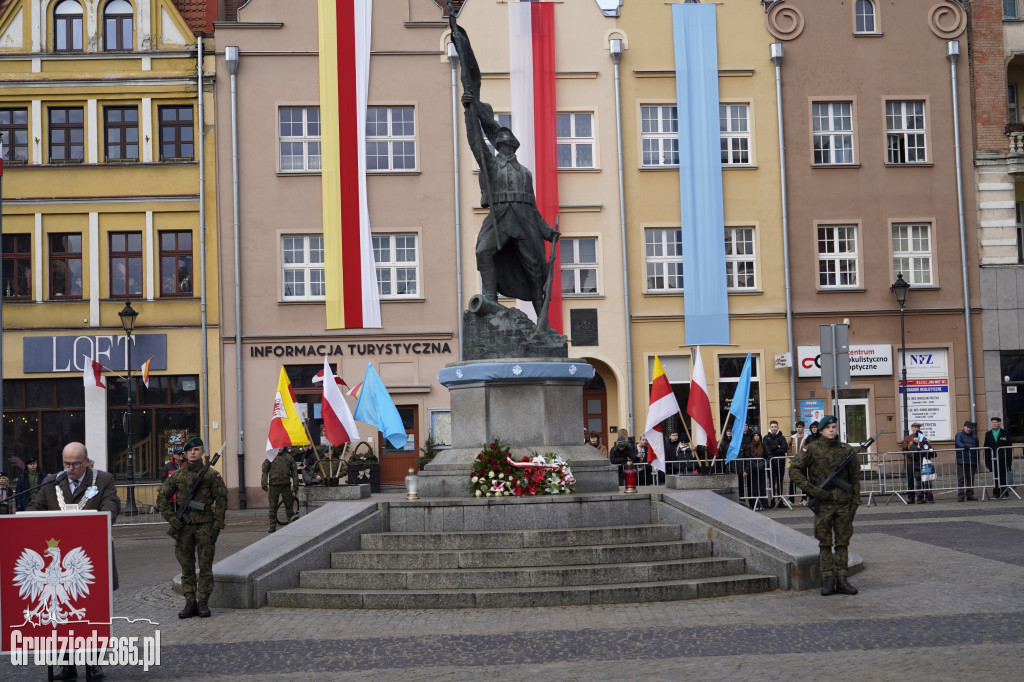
(61, 476)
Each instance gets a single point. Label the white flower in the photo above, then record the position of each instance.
(478, 493)
(490, 494)
(490, 474)
(501, 475)
(475, 479)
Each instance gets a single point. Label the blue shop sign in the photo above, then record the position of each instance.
(67, 353)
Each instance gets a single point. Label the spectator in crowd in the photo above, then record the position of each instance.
(30, 478)
(996, 460)
(799, 436)
(174, 463)
(776, 445)
(623, 452)
(813, 436)
(595, 442)
(966, 461)
(5, 493)
(915, 444)
(757, 471)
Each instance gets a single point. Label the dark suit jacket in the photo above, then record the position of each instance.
(105, 499)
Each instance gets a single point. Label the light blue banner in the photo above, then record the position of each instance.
(702, 216)
(738, 409)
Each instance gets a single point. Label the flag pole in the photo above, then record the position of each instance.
(315, 451)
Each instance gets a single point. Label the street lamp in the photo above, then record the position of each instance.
(128, 315)
(900, 289)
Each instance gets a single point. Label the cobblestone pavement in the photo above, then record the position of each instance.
(942, 598)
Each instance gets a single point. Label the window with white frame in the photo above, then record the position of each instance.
(740, 270)
(837, 256)
(397, 259)
(302, 267)
(864, 15)
(1011, 9)
(579, 266)
(912, 252)
(300, 139)
(663, 258)
(659, 136)
(575, 133)
(390, 138)
(735, 131)
(833, 132)
(1013, 109)
(904, 132)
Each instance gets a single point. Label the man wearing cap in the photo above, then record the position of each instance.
(966, 461)
(833, 522)
(280, 480)
(914, 444)
(995, 457)
(30, 478)
(196, 540)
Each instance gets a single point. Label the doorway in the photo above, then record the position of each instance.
(595, 409)
(854, 426)
(395, 463)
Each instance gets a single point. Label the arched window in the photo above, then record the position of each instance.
(865, 15)
(67, 26)
(118, 19)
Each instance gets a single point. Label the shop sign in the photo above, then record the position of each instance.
(865, 361)
(322, 350)
(66, 353)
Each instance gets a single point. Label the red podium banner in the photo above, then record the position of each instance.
(56, 585)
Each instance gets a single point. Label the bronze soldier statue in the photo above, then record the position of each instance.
(197, 539)
(510, 248)
(833, 518)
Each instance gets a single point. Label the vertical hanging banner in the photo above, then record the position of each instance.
(531, 40)
(702, 214)
(352, 298)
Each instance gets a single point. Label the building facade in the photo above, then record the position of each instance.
(102, 204)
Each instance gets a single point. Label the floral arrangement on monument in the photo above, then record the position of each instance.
(496, 474)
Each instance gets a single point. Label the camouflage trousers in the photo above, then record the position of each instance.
(196, 541)
(833, 526)
(276, 492)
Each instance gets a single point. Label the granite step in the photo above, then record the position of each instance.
(515, 558)
(516, 539)
(524, 577)
(620, 593)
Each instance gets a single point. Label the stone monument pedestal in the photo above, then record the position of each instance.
(529, 405)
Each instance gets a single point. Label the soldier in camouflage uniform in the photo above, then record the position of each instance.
(833, 522)
(198, 538)
(280, 479)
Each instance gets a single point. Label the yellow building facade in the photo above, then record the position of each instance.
(102, 205)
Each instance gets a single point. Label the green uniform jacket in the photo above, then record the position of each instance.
(282, 471)
(212, 493)
(814, 463)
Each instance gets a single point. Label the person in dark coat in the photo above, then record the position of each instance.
(996, 460)
(30, 478)
(966, 461)
(776, 445)
(622, 452)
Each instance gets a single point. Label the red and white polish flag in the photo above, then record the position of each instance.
(531, 40)
(339, 426)
(698, 406)
(92, 374)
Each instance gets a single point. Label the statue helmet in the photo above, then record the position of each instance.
(505, 136)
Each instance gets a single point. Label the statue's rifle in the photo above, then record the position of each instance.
(542, 314)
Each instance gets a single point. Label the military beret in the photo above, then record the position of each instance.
(830, 419)
(193, 442)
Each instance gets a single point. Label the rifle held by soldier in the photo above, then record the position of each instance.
(181, 513)
(834, 480)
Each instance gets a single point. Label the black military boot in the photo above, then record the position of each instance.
(843, 587)
(190, 609)
(204, 610)
(828, 585)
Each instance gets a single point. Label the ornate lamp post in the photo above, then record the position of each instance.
(900, 288)
(128, 315)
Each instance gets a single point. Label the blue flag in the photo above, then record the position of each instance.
(739, 410)
(376, 408)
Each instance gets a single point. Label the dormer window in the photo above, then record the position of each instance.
(118, 22)
(67, 26)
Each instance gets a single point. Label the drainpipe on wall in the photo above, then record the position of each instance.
(615, 48)
(231, 56)
(952, 54)
(453, 57)
(202, 245)
(776, 57)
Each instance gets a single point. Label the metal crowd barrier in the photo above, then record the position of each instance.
(1007, 482)
(145, 502)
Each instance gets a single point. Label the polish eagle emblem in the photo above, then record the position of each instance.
(51, 588)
